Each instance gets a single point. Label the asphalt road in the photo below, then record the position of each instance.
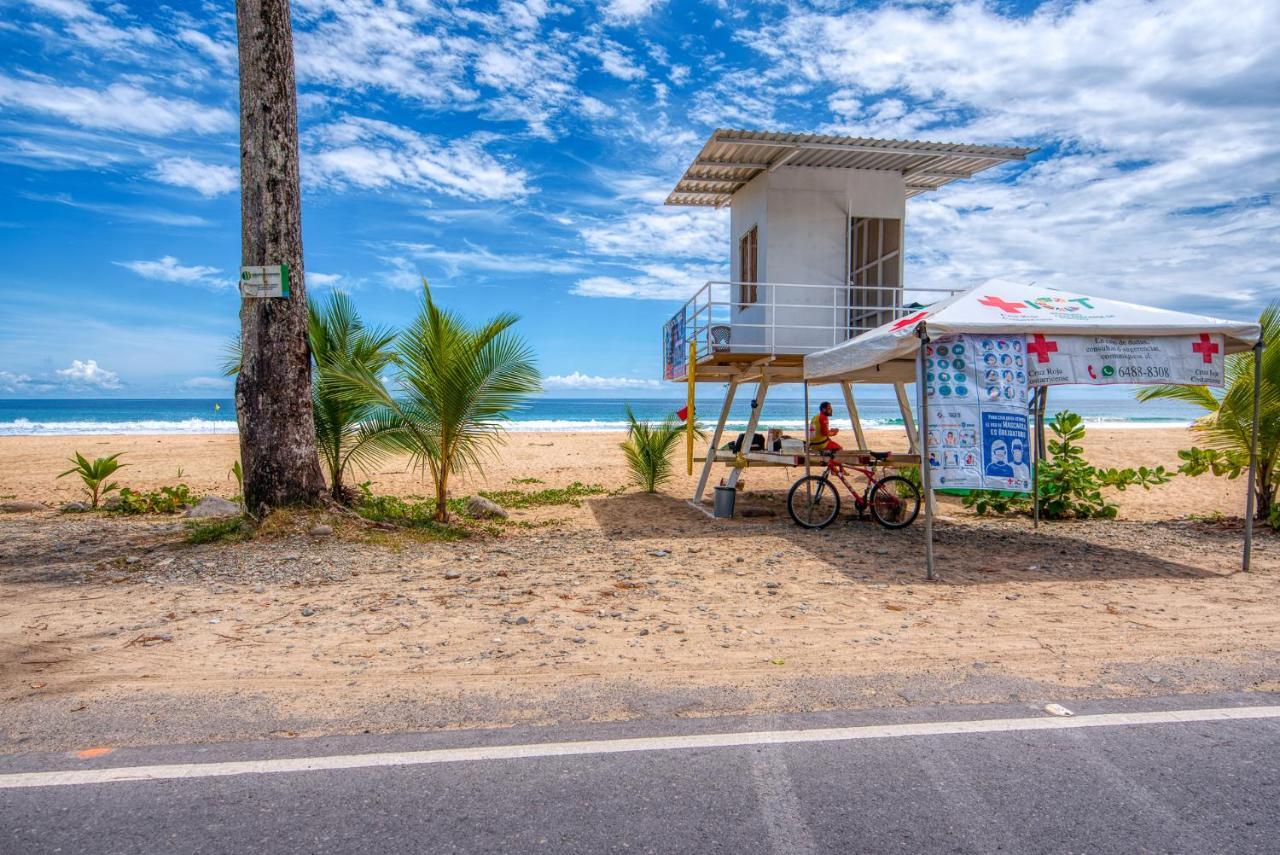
(1114, 786)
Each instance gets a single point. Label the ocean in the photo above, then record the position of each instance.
(50, 417)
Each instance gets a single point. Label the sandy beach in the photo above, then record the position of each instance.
(112, 629)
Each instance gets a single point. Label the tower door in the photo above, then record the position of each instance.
(875, 272)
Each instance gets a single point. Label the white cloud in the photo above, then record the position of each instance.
(221, 52)
(11, 382)
(368, 153)
(89, 373)
(209, 384)
(121, 106)
(629, 11)
(652, 282)
(698, 233)
(478, 258)
(323, 280)
(579, 381)
(169, 269)
(1158, 118)
(207, 179)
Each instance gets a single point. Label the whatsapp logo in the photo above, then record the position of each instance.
(1108, 371)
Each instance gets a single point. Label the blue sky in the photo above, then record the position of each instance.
(517, 155)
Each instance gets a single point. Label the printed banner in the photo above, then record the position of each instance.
(1194, 360)
(675, 349)
(978, 435)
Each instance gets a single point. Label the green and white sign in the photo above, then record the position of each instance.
(271, 280)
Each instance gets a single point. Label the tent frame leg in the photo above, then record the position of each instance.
(762, 389)
(926, 480)
(847, 389)
(908, 423)
(1253, 458)
(716, 436)
(1037, 454)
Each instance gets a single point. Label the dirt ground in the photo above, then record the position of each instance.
(114, 631)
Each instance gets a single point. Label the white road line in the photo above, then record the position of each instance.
(618, 746)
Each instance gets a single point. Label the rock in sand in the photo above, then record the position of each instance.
(21, 507)
(481, 508)
(213, 506)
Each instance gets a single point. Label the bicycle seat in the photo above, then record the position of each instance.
(879, 455)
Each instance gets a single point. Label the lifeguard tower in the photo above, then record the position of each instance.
(816, 258)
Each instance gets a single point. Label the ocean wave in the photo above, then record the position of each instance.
(26, 427)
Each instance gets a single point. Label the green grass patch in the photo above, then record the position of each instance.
(571, 495)
(227, 530)
(416, 515)
(527, 481)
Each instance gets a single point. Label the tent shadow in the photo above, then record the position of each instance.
(967, 550)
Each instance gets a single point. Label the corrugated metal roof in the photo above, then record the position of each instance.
(731, 158)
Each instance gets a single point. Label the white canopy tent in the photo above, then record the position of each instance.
(1061, 329)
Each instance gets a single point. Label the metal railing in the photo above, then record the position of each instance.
(789, 318)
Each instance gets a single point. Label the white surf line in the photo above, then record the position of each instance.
(618, 746)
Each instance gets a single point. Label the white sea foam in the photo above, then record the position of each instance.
(144, 427)
(26, 427)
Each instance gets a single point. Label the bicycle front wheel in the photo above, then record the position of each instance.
(813, 502)
(895, 502)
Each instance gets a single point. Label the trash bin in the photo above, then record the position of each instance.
(725, 497)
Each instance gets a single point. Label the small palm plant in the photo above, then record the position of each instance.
(648, 450)
(340, 339)
(95, 474)
(1227, 426)
(455, 386)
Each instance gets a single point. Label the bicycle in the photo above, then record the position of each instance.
(893, 501)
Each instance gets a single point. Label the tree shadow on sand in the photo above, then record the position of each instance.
(967, 550)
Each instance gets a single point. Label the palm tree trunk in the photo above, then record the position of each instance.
(442, 496)
(273, 388)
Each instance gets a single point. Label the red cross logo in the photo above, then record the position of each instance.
(1205, 348)
(1041, 347)
(908, 320)
(997, 303)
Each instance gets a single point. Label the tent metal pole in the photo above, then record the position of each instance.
(806, 430)
(1035, 458)
(1253, 456)
(926, 480)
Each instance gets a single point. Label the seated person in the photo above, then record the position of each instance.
(821, 431)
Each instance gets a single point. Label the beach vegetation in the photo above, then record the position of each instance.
(165, 500)
(454, 386)
(420, 516)
(1227, 426)
(648, 450)
(223, 530)
(339, 341)
(1069, 486)
(96, 474)
(550, 496)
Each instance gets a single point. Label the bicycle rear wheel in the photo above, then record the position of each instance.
(813, 502)
(895, 502)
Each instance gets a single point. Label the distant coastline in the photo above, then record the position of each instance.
(114, 417)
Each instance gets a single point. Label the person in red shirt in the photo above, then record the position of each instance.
(821, 431)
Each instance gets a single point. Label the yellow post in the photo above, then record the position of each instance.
(688, 425)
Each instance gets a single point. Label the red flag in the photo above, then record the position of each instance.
(683, 413)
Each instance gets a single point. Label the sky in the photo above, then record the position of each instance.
(517, 155)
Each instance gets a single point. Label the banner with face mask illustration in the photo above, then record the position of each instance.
(978, 433)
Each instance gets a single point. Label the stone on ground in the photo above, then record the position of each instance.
(214, 506)
(21, 507)
(481, 508)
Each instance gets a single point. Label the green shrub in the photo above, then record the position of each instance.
(165, 500)
(418, 515)
(648, 450)
(1069, 486)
